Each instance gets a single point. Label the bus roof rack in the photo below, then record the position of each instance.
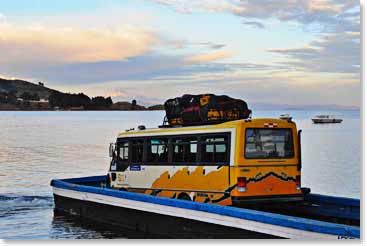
(203, 109)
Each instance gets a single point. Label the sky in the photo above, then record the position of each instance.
(297, 52)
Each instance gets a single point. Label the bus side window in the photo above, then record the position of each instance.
(184, 149)
(214, 149)
(158, 150)
(137, 151)
(124, 151)
(192, 150)
(178, 150)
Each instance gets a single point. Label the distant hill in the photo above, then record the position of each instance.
(18, 87)
(126, 106)
(24, 95)
(271, 106)
(130, 106)
(156, 107)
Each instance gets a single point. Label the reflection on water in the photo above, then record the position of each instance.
(36, 147)
(73, 228)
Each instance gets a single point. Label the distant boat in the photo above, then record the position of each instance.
(285, 117)
(319, 119)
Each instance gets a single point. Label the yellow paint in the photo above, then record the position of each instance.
(193, 181)
(271, 185)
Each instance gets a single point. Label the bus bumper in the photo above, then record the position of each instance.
(242, 200)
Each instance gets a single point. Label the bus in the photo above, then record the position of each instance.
(231, 163)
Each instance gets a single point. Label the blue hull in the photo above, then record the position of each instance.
(164, 217)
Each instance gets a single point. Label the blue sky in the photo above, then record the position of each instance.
(283, 52)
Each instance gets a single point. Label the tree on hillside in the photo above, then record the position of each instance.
(67, 100)
(8, 98)
(133, 102)
(25, 95)
(36, 97)
(98, 102)
(29, 97)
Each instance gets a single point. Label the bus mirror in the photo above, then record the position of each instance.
(112, 149)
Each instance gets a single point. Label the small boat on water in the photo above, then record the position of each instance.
(322, 119)
(285, 117)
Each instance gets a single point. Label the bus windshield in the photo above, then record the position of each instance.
(268, 143)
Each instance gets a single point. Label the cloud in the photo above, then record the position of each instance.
(254, 24)
(209, 57)
(183, 44)
(211, 45)
(2, 18)
(333, 53)
(323, 5)
(323, 12)
(133, 61)
(217, 46)
(136, 68)
(188, 7)
(153, 67)
(40, 44)
(280, 88)
(110, 93)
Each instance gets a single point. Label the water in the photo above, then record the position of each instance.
(36, 147)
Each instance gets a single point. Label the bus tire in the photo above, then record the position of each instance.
(184, 196)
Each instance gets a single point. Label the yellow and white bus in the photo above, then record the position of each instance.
(229, 163)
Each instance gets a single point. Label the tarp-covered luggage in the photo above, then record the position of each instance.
(204, 109)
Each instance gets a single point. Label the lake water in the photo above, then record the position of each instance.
(36, 147)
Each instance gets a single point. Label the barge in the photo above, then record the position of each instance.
(316, 217)
(210, 171)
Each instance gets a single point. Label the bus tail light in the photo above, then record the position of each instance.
(241, 184)
(298, 182)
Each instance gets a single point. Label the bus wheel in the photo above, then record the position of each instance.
(184, 196)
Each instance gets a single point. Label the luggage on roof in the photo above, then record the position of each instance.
(204, 109)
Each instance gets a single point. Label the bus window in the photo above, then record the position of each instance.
(184, 150)
(124, 151)
(214, 149)
(137, 150)
(158, 150)
(268, 143)
(178, 150)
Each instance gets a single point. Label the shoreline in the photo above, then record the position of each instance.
(50, 110)
(79, 110)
